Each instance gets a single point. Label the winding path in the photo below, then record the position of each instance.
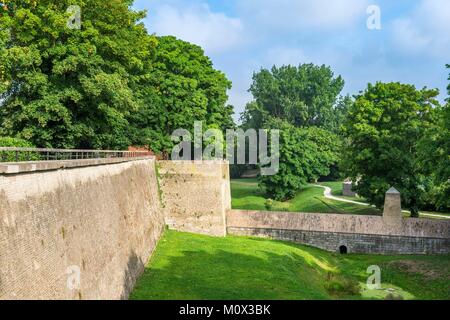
(327, 194)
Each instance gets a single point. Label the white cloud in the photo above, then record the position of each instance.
(243, 35)
(426, 30)
(408, 36)
(296, 15)
(283, 56)
(215, 32)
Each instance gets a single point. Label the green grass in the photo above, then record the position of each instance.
(246, 195)
(336, 190)
(187, 266)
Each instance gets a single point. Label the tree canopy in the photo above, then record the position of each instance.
(303, 103)
(305, 155)
(108, 84)
(304, 96)
(383, 128)
(434, 158)
(448, 87)
(68, 87)
(183, 87)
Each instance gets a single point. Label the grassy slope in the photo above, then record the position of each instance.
(187, 266)
(336, 190)
(246, 195)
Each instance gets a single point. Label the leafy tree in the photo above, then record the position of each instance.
(299, 101)
(303, 96)
(383, 128)
(434, 158)
(67, 87)
(253, 116)
(14, 142)
(341, 109)
(305, 155)
(183, 87)
(10, 156)
(448, 87)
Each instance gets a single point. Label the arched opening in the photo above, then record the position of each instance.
(343, 250)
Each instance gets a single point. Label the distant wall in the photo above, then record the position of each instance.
(103, 220)
(347, 189)
(196, 195)
(359, 234)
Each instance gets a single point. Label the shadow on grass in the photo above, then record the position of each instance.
(187, 266)
(225, 275)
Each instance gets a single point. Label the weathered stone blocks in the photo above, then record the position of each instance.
(196, 195)
(79, 233)
(347, 189)
(392, 213)
(360, 234)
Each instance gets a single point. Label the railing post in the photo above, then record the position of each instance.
(14, 154)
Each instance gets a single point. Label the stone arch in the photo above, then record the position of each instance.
(343, 247)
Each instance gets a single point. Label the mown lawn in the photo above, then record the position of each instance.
(246, 195)
(336, 190)
(187, 266)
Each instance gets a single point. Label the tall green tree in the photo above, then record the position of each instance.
(304, 96)
(434, 158)
(66, 87)
(303, 103)
(383, 128)
(305, 155)
(448, 87)
(183, 87)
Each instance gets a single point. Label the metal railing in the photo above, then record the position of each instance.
(13, 154)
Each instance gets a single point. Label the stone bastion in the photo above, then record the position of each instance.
(84, 229)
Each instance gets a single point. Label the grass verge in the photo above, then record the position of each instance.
(246, 195)
(187, 266)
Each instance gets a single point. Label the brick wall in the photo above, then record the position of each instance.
(196, 195)
(359, 234)
(101, 221)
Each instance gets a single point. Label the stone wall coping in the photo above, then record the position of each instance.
(34, 166)
(339, 223)
(195, 162)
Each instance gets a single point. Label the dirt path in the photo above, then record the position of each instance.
(327, 194)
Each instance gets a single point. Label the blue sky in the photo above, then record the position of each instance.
(241, 36)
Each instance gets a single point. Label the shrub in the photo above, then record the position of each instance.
(268, 204)
(11, 156)
(14, 142)
(340, 286)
